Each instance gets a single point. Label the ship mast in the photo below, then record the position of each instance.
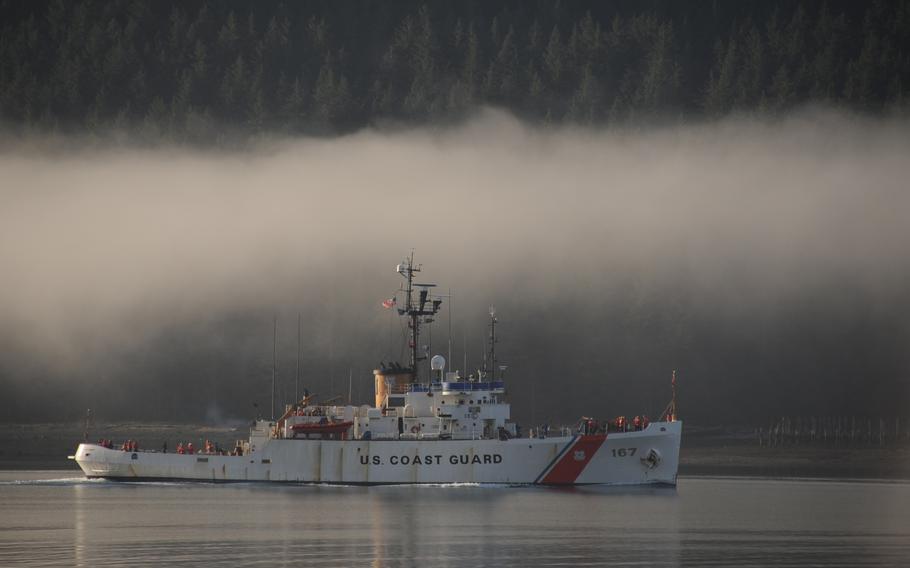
(274, 363)
(493, 340)
(419, 310)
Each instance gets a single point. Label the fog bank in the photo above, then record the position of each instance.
(763, 259)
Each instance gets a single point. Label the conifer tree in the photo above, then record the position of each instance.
(320, 67)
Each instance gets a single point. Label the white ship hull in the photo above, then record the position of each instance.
(649, 456)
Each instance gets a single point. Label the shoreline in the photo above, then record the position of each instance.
(798, 462)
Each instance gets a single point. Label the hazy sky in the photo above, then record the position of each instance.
(792, 233)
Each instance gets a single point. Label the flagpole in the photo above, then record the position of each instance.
(673, 411)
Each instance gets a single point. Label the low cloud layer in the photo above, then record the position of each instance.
(744, 231)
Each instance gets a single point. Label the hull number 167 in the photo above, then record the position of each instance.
(623, 452)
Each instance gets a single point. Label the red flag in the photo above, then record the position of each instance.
(388, 303)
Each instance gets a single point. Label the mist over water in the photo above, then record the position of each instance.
(766, 260)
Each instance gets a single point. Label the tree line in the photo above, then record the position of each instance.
(190, 69)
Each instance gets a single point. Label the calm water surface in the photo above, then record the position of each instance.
(59, 519)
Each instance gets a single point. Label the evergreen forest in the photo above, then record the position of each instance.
(194, 69)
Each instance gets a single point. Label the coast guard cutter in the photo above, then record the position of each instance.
(442, 428)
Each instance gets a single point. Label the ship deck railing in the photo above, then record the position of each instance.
(447, 386)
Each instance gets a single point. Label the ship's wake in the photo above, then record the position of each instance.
(61, 481)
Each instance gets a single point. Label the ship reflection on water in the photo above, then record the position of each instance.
(705, 521)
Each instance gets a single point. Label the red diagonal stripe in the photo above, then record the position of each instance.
(570, 466)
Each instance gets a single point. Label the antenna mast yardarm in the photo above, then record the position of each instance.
(417, 311)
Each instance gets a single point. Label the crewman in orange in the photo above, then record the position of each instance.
(636, 422)
(189, 448)
(180, 449)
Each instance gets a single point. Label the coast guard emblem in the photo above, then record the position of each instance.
(579, 455)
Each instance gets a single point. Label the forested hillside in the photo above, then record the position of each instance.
(190, 69)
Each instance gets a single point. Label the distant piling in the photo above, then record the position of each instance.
(834, 431)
